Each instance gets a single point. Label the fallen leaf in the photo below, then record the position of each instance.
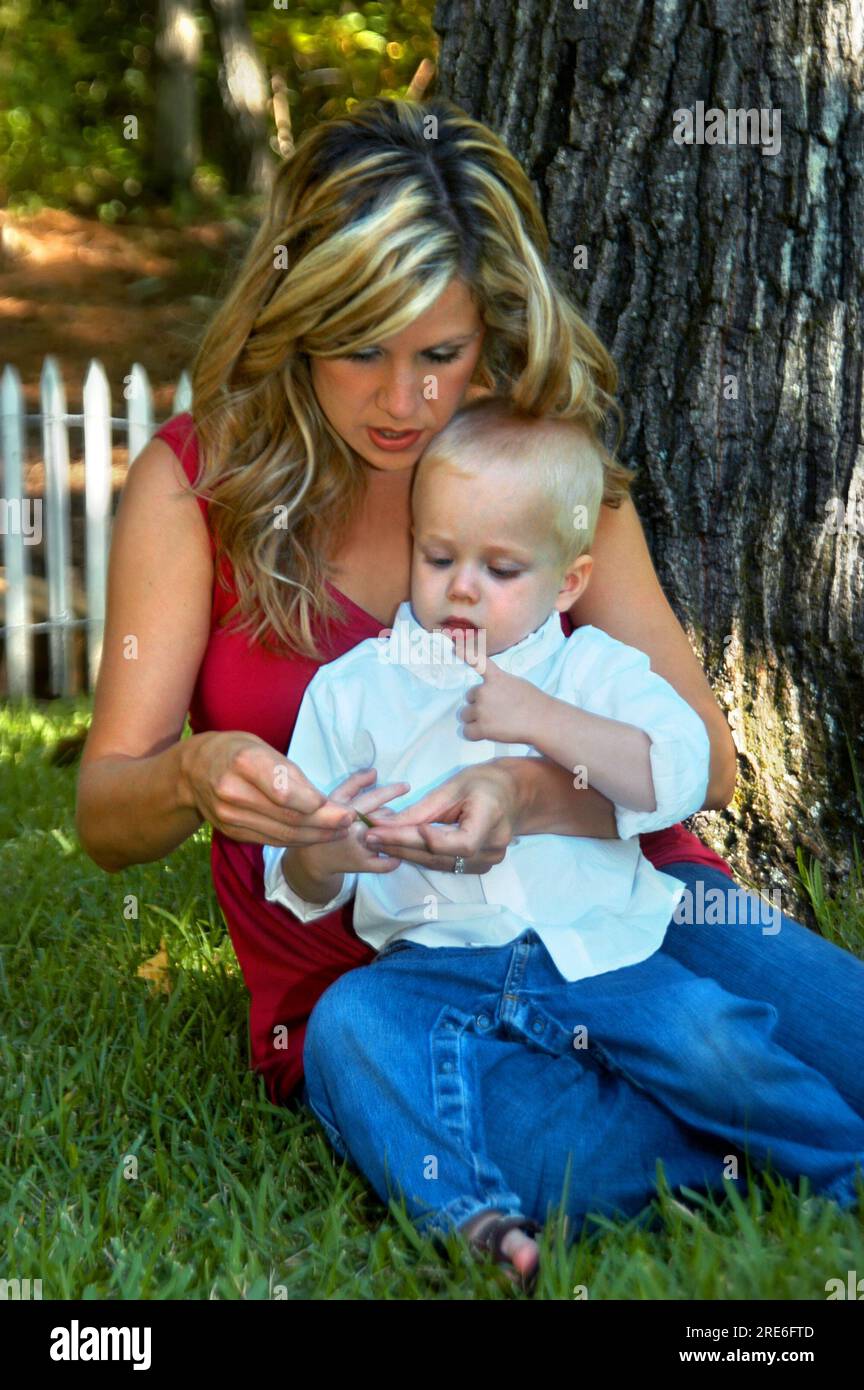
(155, 970)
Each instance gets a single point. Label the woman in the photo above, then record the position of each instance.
(399, 270)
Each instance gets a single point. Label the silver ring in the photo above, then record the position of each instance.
(459, 866)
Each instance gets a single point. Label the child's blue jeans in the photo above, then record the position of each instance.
(450, 1075)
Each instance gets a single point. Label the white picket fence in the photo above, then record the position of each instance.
(100, 426)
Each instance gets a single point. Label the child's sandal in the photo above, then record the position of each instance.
(488, 1239)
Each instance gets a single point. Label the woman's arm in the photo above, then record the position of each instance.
(546, 801)
(142, 789)
(625, 599)
(133, 804)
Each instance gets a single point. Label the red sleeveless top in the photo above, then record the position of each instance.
(287, 964)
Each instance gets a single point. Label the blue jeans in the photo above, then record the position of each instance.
(816, 987)
(450, 1076)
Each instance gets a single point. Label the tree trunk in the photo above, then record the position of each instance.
(178, 143)
(728, 284)
(245, 96)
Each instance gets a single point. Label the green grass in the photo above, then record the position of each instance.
(103, 1077)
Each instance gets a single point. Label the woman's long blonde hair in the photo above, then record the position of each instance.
(368, 221)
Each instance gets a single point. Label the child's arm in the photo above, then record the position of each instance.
(616, 756)
(313, 890)
(648, 752)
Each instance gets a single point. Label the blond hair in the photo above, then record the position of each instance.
(557, 459)
(368, 221)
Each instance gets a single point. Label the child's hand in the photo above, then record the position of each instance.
(351, 854)
(504, 707)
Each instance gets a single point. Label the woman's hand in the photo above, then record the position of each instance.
(350, 852)
(250, 792)
(481, 806)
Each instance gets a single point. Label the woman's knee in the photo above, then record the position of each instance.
(341, 1007)
(352, 1020)
(709, 1036)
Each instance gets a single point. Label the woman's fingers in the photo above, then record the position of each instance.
(409, 844)
(475, 836)
(401, 836)
(256, 770)
(475, 829)
(262, 786)
(251, 811)
(256, 827)
(435, 838)
(439, 804)
(298, 813)
(444, 863)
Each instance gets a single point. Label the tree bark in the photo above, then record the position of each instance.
(245, 96)
(178, 142)
(728, 284)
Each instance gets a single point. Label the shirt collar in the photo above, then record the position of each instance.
(432, 656)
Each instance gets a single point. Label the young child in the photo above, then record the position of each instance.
(504, 510)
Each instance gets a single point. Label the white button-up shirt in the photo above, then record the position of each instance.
(391, 703)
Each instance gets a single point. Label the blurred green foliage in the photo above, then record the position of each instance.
(72, 74)
(338, 54)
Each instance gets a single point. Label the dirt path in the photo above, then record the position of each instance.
(80, 289)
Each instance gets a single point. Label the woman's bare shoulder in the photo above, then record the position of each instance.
(158, 467)
(157, 493)
(160, 577)
(624, 596)
(161, 532)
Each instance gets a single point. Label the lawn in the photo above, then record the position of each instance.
(139, 1158)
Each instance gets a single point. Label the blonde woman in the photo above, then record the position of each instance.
(401, 269)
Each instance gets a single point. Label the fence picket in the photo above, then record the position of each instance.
(19, 661)
(55, 451)
(97, 501)
(140, 407)
(53, 512)
(183, 394)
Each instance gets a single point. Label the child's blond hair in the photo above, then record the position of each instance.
(557, 457)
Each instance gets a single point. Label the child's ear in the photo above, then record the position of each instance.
(575, 582)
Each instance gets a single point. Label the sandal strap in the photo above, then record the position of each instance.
(492, 1234)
